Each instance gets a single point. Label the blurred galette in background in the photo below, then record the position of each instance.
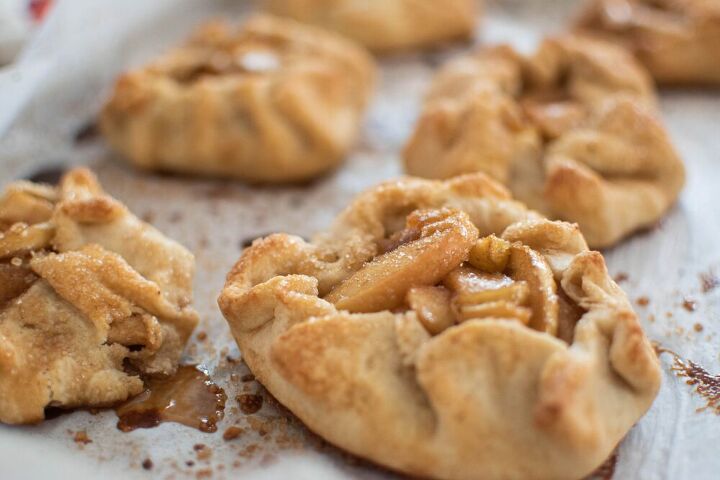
(269, 101)
(439, 328)
(387, 25)
(572, 130)
(91, 299)
(677, 40)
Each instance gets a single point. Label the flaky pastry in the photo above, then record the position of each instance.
(385, 25)
(443, 330)
(90, 298)
(269, 101)
(572, 130)
(677, 40)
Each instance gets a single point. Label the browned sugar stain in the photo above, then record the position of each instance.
(189, 397)
(702, 382)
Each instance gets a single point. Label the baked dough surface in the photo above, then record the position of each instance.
(90, 297)
(386, 25)
(441, 329)
(269, 101)
(572, 130)
(677, 40)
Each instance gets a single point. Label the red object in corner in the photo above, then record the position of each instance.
(39, 8)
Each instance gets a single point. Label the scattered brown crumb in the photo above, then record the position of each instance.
(232, 433)
(249, 402)
(689, 304)
(249, 377)
(81, 437)
(86, 132)
(203, 451)
(621, 277)
(204, 473)
(262, 427)
(147, 464)
(668, 314)
(698, 327)
(148, 217)
(230, 359)
(249, 451)
(190, 463)
(268, 459)
(709, 281)
(651, 318)
(643, 301)
(202, 336)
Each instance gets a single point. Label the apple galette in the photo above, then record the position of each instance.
(91, 299)
(385, 25)
(443, 330)
(269, 101)
(677, 40)
(572, 130)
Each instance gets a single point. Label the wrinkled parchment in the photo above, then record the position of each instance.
(57, 86)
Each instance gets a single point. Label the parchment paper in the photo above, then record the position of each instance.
(57, 86)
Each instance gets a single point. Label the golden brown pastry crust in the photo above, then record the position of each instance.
(269, 101)
(84, 287)
(487, 398)
(386, 25)
(677, 40)
(572, 130)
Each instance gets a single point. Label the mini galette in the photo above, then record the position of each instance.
(386, 25)
(269, 101)
(572, 131)
(91, 299)
(442, 330)
(677, 40)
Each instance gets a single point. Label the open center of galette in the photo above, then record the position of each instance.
(552, 110)
(241, 60)
(441, 269)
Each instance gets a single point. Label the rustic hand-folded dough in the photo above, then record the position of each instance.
(677, 40)
(269, 101)
(385, 25)
(572, 130)
(90, 297)
(443, 330)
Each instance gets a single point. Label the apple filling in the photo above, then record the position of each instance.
(439, 268)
